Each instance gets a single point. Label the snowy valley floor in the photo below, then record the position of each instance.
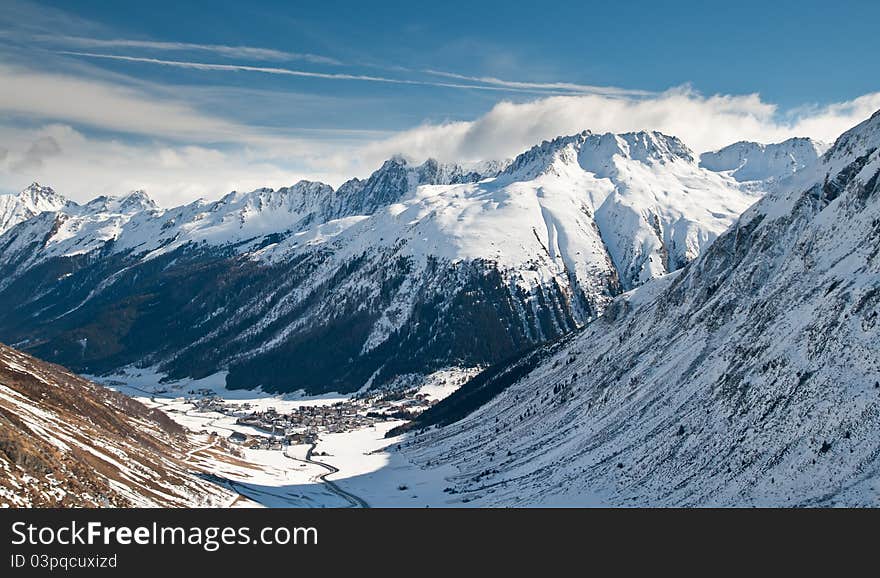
(284, 478)
(299, 476)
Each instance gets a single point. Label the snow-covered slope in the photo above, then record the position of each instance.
(654, 208)
(751, 161)
(67, 442)
(751, 377)
(414, 269)
(28, 203)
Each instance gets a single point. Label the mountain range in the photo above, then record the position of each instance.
(656, 329)
(414, 269)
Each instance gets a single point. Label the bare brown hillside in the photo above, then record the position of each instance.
(67, 442)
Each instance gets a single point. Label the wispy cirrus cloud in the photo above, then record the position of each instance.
(548, 86)
(497, 86)
(25, 22)
(245, 52)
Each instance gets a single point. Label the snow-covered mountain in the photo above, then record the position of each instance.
(750, 377)
(653, 208)
(67, 442)
(751, 161)
(28, 203)
(417, 268)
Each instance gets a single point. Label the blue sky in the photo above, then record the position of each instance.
(193, 100)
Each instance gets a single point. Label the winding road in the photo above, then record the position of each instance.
(355, 501)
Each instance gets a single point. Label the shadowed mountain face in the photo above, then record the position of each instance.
(67, 442)
(750, 377)
(414, 269)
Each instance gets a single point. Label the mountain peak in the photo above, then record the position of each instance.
(540, 157)
(655, 145)
(861, 139)
(299, 198)
(130, 203)
(137, 200)
(396, 160)
(35, 186)
(642, 146)
(31, 201)
(396, 178)
(595, 152)
(752, 161)
(35, 192)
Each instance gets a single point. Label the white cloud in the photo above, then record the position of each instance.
(703, 123)
(106, 105)
(42, 148)
(82, 167)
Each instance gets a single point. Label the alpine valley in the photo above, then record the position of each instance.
(606, 319)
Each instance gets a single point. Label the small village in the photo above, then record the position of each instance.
(274, 429)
